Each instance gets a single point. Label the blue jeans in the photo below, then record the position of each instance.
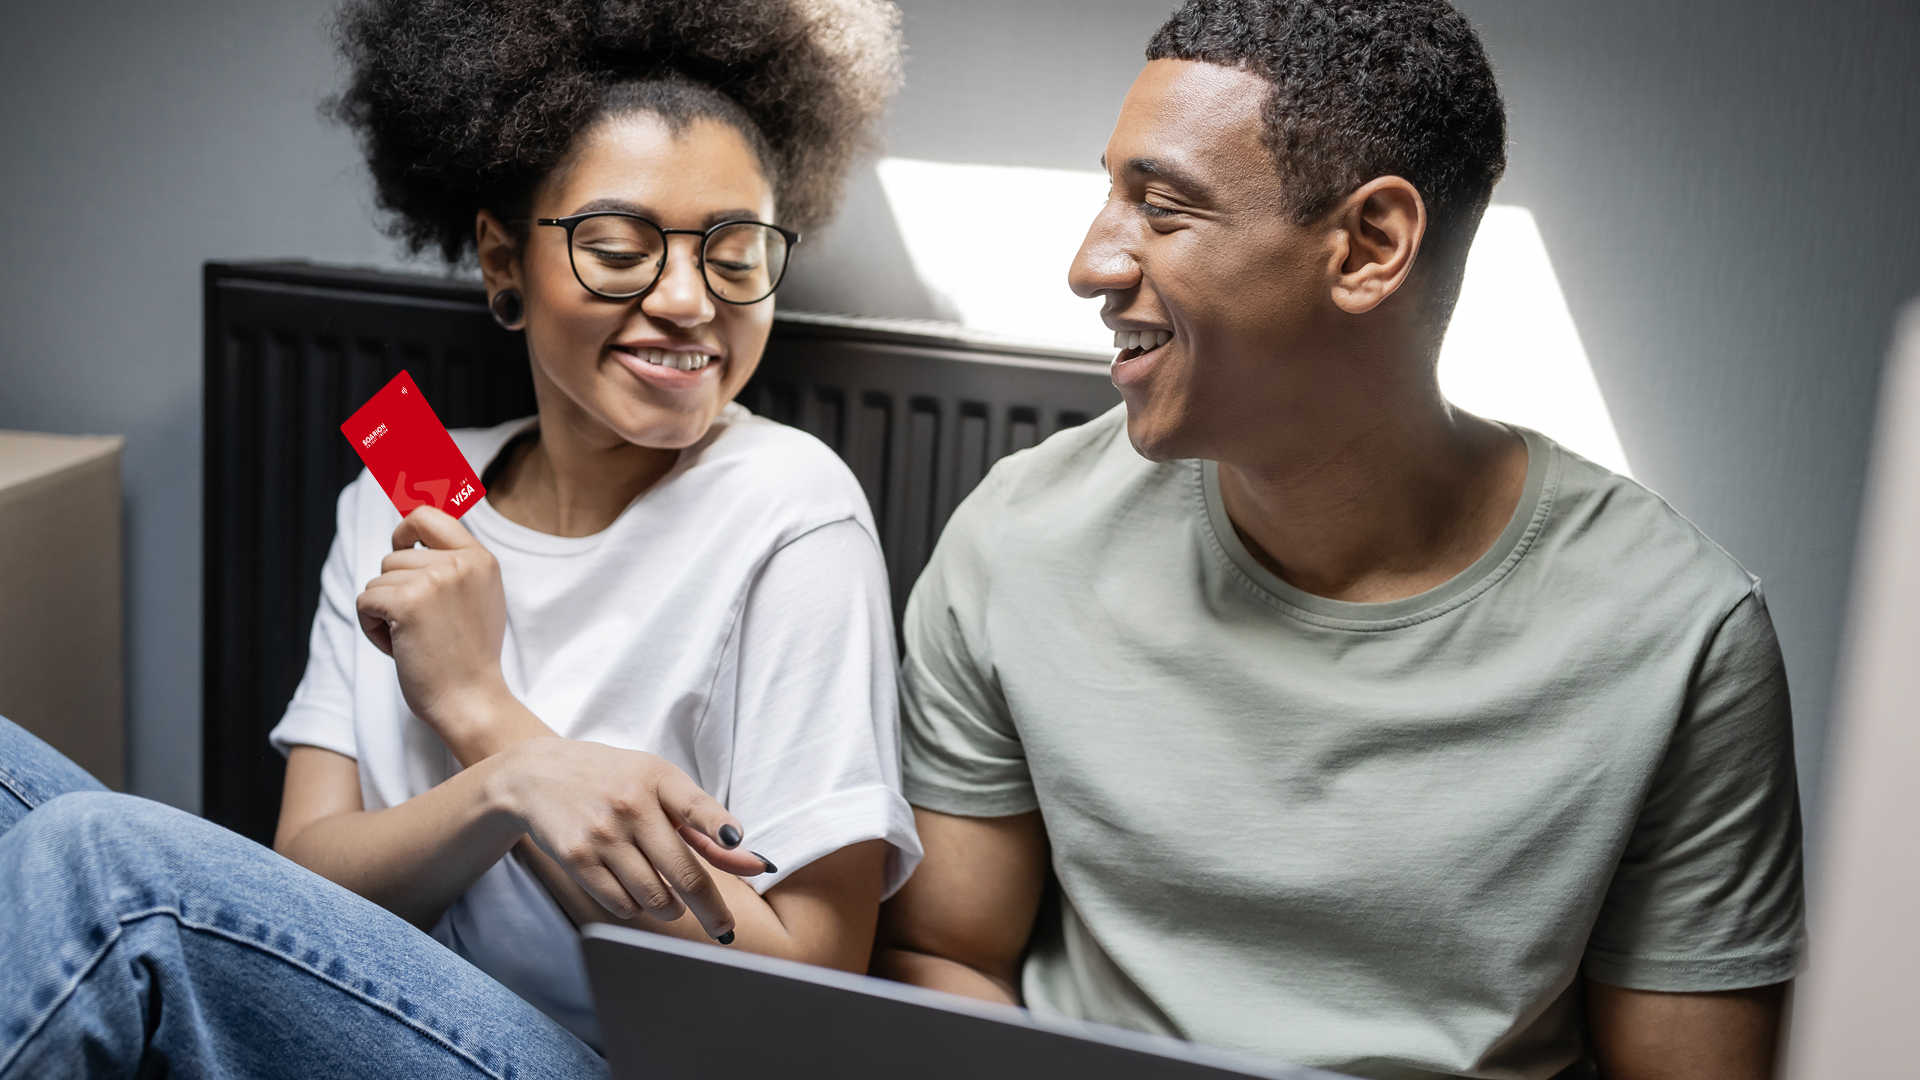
(139, 940)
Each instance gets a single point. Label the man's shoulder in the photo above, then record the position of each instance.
(1635, 540)
(1071, 468)
(1037, 507)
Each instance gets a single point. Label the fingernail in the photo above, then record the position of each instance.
(729, 836)
(766, 862)
(726, 938)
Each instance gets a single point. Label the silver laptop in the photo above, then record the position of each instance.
(671, 1009)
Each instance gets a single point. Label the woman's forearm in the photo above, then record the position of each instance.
(485, 723)
(417, 858)
(940, 973)
(757, 928)
(606, 808)
(823, 915)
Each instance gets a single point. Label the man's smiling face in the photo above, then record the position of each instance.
(1194, 242)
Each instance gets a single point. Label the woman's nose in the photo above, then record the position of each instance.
(1103, 264)
(680, 296)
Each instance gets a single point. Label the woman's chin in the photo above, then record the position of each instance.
(663, 429)
(668, 411)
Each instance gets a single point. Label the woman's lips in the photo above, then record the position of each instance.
(669, 369)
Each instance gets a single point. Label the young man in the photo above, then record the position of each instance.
(1359, 731)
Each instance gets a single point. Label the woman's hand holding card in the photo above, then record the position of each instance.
(624, 825)
(440, 612)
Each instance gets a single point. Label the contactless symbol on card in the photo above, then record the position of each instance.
(410, 454)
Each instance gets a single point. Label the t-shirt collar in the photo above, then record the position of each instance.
(1529, 516)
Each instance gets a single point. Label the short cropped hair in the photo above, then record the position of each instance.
(465, 105)
(1362, 89)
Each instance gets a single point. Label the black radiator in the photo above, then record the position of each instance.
(292, 349)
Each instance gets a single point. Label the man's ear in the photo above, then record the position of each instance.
(499, 252)
(1377, 235)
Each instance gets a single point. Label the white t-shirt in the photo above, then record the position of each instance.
(734, 620)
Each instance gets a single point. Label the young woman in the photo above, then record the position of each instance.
(648, 679)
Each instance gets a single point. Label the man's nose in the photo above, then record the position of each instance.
(1103, 264)
(680, 296)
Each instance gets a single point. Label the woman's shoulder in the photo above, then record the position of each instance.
(778, 468)
(365, 509)
(479, 445)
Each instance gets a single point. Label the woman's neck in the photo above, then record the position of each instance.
(567, 482)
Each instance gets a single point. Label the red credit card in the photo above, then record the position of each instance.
(409, 452)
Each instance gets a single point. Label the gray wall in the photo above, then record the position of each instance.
(1720, 183)
(141, 139)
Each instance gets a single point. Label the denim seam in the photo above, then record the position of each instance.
(60, 1000)
(19, 790)
(121, 922)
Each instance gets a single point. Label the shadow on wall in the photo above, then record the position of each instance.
(1512, 351)
(859, 264)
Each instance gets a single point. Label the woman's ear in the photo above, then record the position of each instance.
(499, 252)
(1379, 227)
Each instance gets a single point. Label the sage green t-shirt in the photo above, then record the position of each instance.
(1380, 838)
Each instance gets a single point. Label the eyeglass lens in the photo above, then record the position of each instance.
(620, 256)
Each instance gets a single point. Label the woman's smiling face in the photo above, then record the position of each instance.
(656, 369)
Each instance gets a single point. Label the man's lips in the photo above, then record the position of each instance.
(1134, 344)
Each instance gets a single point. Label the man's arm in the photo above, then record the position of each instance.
(961, 922)
(1649, 1035)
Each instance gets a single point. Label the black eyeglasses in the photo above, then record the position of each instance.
(619, 255)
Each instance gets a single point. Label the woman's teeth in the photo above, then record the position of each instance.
(1141, 339)
(683, 361)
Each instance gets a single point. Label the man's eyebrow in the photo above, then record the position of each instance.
(1188, 184)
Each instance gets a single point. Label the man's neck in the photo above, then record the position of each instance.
(1376, 510)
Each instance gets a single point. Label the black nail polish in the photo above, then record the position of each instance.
(729, 836)
(766, 862)
(726, 938)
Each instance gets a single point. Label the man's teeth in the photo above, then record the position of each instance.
(1141, 339)
(683, 361)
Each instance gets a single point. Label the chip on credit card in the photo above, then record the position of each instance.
(409, 453)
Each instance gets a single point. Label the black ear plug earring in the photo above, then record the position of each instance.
(509, 310)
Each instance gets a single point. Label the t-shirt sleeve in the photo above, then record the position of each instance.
(1708, 894)
(961, 750)
(815, 748)
(321, 712)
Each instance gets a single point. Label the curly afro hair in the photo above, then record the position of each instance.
(464, 105)
(1362, 89)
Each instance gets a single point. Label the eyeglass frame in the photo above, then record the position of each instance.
(571, 222)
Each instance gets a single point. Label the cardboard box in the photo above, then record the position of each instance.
(62, 671)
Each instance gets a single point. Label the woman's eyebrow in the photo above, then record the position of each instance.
(625, 207)
(719, 216)
(618, 205)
